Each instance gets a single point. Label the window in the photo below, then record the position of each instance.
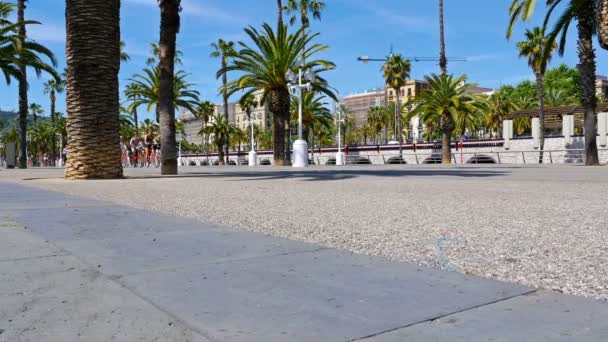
(409, 92)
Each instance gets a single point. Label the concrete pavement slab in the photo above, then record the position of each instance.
(60, 299)
(540, 316)
(327, 295)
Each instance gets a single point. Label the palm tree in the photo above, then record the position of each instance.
(585, 13)
(93, 59)
(204, 111)
(169, 27)
(303, 8)
(376, 119)
(144, 89)
(217, 128)
(446, 100)
(537, 51)
(443, 60)
(396, 71)
(17, 53)
(224, 50)
(280, 5)
(499, 106)
(132, 93)
(315, 115)
(155, 53)
(53, 87)
(557, 98)
(249, 103)
(36, 110)
(263, 67)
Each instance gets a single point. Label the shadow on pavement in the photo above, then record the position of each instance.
(330, 175)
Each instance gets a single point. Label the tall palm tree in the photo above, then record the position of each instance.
(124, 56)
(217, 128)
(263, 66)
(224, 50)
(132, 94)
(499, 106)
(315, 113)
(443, 60)
(585, 13)
(144, 89)
(204, 111)
(93, 59)
(535, 50)
(303, 8)
(22, 53)
(53, 87)
(249, 103)
(36, 110)
(446, 99)
(376, 120)
(396, 71)
(280, 5)
(169, 27)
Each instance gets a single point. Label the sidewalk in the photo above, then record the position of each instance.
(73, 269)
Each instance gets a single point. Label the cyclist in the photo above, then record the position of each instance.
(124, 154)
(133, 143)
(149, 140)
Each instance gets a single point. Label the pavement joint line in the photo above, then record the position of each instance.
(36, 257)
(442, 316)
(319, 249)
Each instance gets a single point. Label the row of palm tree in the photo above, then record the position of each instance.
(17, 54)
(590, 18)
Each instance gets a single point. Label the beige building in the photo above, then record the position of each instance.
(601, 86)
(193, 125)
(260, 115)
(359, 104)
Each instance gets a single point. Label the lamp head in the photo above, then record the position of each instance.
(309, 75)
(290, 76)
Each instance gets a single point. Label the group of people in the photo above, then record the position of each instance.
(140, 152)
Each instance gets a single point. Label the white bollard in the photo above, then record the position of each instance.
(507, 133)
(536, 132)
(253, 158)
(340, 158)
(300, 153)
(602, 127)
(568, 128)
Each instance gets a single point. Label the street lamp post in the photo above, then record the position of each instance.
(300, 147)
(340, 154)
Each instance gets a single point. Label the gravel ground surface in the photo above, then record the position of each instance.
(541, 226)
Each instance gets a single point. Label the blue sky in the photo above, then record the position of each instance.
(474, 29)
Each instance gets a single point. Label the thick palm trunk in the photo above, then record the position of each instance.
(135, 118)
(23, 107)
(603, 23)
(279, 107)
(443, 61)
(586, 68)
(447, 127)
(93, 59)
(540, 89)
(169, 26)
(226, 138)
(398, 123)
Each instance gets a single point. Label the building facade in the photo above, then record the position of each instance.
(358, 105)
(260, 115)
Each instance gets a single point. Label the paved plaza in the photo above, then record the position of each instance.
(266, 254)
